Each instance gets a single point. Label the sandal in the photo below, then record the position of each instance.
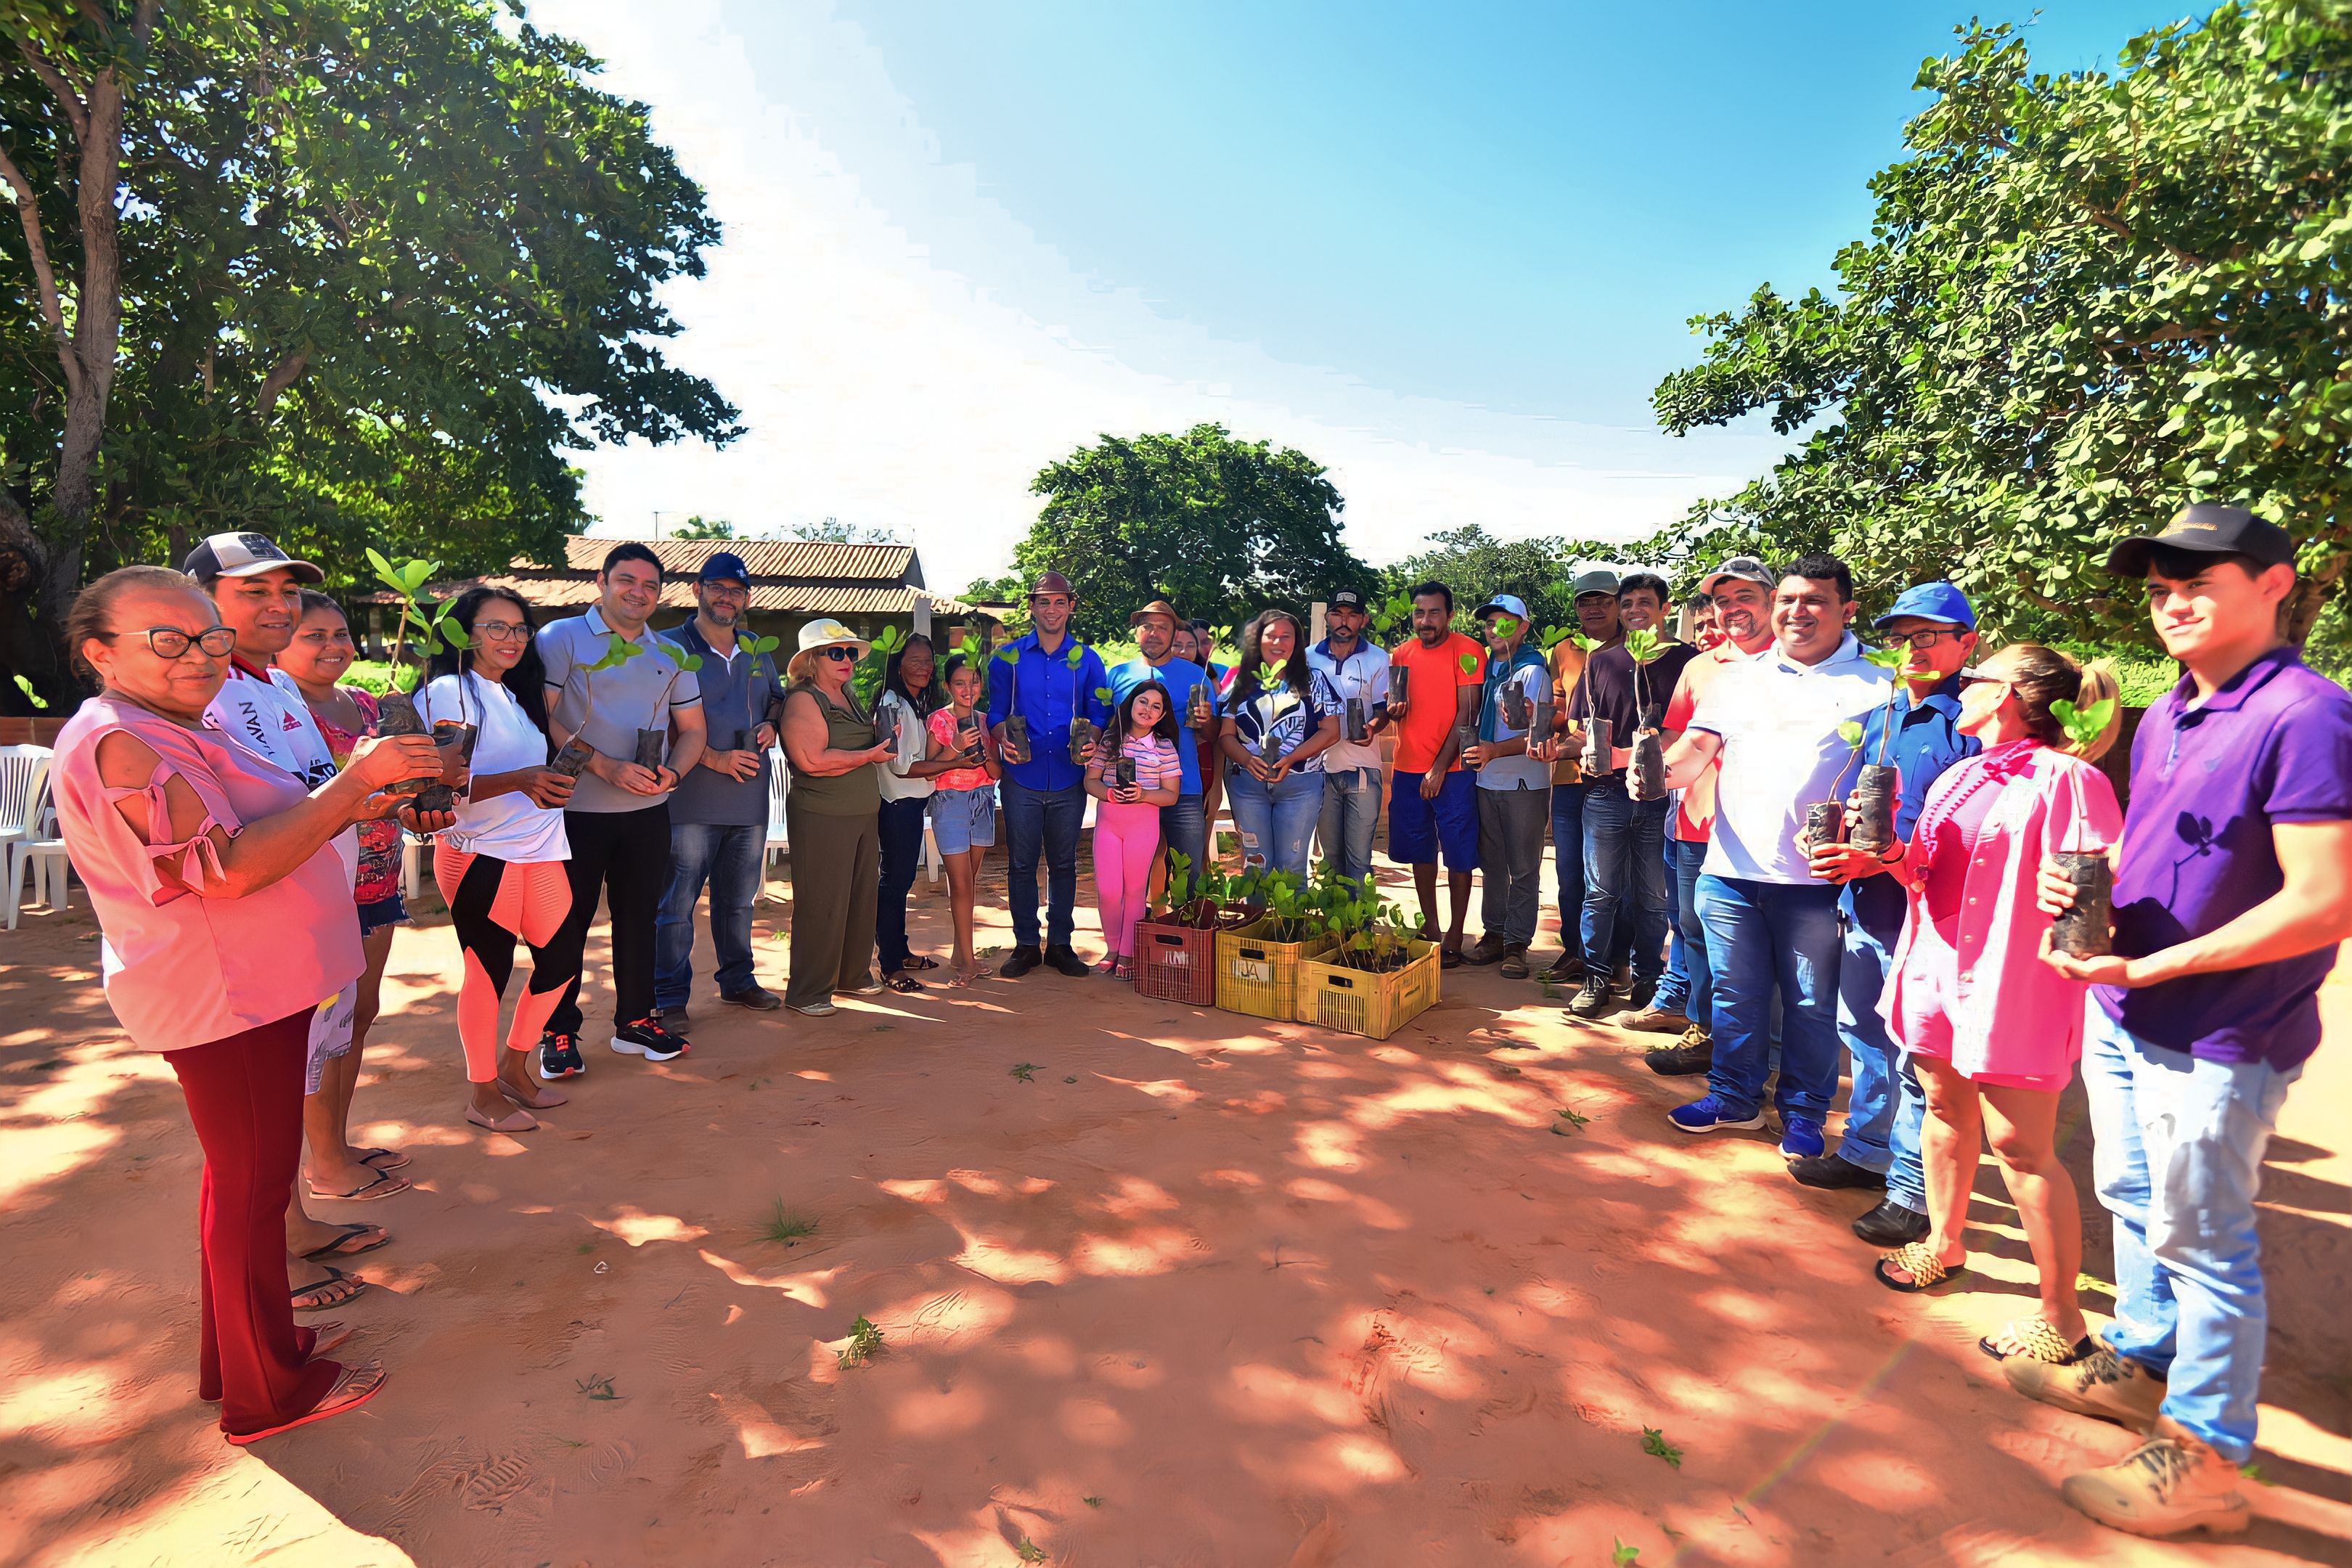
(327, 1337)
(1449, 958)
(341, 1246)
(382, 1159)
(1917, 1259)
(335, 1289)
(916, 961)
(1108, 967)
(964, 977)
(383, 1186)
(1124, 970)
(2036, 1340)
(1515, 965)
(355, 1388)
(903, 983)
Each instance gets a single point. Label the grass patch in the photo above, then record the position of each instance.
(1091, 1501)
(597, 1387)
(1029, 1551)
(1653, 1443)
(1025, 1072)
(787, 1225)
(864, 1339)
(1621, 1554)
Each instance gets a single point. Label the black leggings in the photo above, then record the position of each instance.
(491, 903)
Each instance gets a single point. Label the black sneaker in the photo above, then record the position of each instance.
(1641, 995)
(558, 1056)
(1060, 957)
(1833, 1172)
(1683, 1057)
(673, 1019)
(1023, 961)
(1593, 999)
(1890, 1224)
(756, 997)
(647, 1039)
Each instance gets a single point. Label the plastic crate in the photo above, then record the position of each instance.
(1176, 963)
(1260, 977)
(1357, 1001)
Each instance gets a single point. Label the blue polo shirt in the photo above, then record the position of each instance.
(1047, 691)
(2207, 783)
(1179, 675)
(1926, 740)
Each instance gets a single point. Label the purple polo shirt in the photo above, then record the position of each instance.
(2275, 744)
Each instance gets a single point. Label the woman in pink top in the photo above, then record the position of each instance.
(228, 918)
(1992, 1031)
(1127, 822)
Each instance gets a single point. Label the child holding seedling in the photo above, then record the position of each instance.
(1133, 774)
(961, 765)
(1993, 1033)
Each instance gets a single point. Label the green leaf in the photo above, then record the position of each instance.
(1850, 732)
(1470, 664)
(2083, 726)
(1643, 647)
(1886, 658)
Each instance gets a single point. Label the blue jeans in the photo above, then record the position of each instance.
(901, 827)
(1673, 985)
(2178, 1159)
(1697, 1000)
(1568, 863)
(1274, 826)
(1884, 1107)
(1184, 827)
(1047, 820)
(729, 859)
(1760, 934)
(1625, 875)
(1352, 810)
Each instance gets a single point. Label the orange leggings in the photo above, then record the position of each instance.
(491, 903)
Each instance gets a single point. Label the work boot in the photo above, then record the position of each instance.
(1565, 970)
(1656, 1020)
(2102, 1383)
(2168, 1485)
(1486, 949)
(1693, 1053)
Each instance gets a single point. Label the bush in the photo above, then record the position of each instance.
(375, 675)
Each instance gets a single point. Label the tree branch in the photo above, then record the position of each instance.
(283, 374)
(44, 277)
(77, 111)
(2025, 586)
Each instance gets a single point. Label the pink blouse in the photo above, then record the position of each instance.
(1988, 823)
(183, 970)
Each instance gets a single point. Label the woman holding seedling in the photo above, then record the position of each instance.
(961, 767)
(1992, 1031)
(833, 816)
(1133, 774)
(1280, 717)
(902, 713)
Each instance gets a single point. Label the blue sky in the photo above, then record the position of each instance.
(1448, 250)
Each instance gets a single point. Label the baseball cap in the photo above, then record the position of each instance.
(1593, 583)
(722, 564)
(244, 555)
(1509, 604)
(1745, 568)
(2211, 529)
(1932, 602)
(1344, 599)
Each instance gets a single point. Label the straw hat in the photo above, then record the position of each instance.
(829, 632)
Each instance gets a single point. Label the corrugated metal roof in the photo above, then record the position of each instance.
(765, 557)
(555, 592)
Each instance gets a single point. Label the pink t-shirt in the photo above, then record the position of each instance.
(942, 726)
(183, 970)
(1156, 763)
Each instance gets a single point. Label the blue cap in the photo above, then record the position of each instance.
(722, 564)
(1933, 602)
(1509, 604)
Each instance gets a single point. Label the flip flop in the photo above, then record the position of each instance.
(1449, 958)
(384, 1159)
(330, 1337)
(355, 1388)
(335, 1276)
(341, 1246)
(366, 1193)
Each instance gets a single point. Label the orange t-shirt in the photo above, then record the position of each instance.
(1437, 672)
(1694, 822)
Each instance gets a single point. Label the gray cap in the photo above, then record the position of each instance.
(1600, 581)
(1746, 568)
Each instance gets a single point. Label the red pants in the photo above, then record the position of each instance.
(245, 1096)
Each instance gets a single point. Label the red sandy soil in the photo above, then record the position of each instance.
(1201, 1290)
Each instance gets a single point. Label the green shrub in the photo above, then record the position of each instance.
(375, 675)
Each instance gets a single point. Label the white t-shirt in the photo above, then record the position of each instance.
(1362, 675)
(271, 719)
(914, 740)
(510, 827)
(1781, 753)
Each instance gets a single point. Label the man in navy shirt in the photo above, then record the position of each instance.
(1918, 733)
(2232, 891)
(1048, 677)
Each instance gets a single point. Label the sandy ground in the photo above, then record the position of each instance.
(1196, 1290)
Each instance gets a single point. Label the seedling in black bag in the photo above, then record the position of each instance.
(396, 710)
(2087, 929)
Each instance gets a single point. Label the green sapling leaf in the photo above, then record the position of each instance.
(1644, 645)
(2083, 726)
(1885, 658)
(1851, 733)
(1469, 664)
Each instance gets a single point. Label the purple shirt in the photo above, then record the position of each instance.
(2275, 744)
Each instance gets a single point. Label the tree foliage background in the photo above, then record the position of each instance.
(342, 271)
(2087, 300)
(1477, 565)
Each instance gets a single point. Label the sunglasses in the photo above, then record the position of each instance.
(1976, 675)
(171, 641)
(839, 654)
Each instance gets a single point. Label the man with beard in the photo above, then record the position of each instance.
(1184, 826)
(1047, 679)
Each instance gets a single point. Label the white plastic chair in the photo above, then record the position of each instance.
(412, 850)
(27, 839)
(779, 785)
(22, 771)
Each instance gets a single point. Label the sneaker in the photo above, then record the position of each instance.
(816, 1009)
(1061, 959)
(1833, 1172)
(1593, 999)
(1023, 961)
(1653, 1020)
(1682, 1060)
(1643, 993)
(647, 1039)
(673, 1019)
(1801, 1138)
(756, 998)
(1890, 1224)
(1565, 970)
(2167, 1486)
(1711, 1114)
(1487, 948)
(558, 1056)
(2102, 1383)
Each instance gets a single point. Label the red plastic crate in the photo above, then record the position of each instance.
(1176, 963)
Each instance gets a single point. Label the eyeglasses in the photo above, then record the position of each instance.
(1977, 675)
(1919, 639)
(839, 654)
(501, 631)
(171, 641)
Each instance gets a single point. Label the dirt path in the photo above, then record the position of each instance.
(1193, 1291)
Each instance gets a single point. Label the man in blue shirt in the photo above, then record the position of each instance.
(1184, 826)
(1917, 732)
(1358, 673)
(1049, 679)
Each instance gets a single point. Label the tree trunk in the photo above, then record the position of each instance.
(2300, 609)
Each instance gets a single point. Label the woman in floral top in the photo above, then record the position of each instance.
(1280, 717)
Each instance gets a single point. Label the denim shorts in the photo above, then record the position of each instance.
(383, 912)
(963, 819)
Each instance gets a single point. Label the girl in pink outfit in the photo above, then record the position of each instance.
(1127, 823)
(1993, 1032)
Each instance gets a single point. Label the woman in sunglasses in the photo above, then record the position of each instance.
(229, 919)
(1993, 1032)
(833, 818)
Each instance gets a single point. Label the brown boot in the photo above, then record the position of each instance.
(2168, 1485)
(2102, 1383)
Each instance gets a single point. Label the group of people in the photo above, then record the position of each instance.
(228, 795)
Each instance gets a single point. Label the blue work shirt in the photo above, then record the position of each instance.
(1179, 675)
(1048, 691)
(1927, 740)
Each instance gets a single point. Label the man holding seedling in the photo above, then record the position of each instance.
(1046, 680)
(622, 691)
(1514, 788)
(2232, 889)
(1776, 723)
(1930, 633)
(1184, 826)
(1435, 680)
(1358, 672)
(718, 817)
(1598, 624)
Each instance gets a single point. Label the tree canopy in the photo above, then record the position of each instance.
(1477, 565)
(2087, 300)
(375, 269)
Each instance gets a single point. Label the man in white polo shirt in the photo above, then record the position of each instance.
(1773, 721)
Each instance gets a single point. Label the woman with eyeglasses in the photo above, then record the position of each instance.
(833, 818)
(1280, 716)
(227, 916)
(1993, 1032)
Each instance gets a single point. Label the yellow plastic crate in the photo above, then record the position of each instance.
(1357, 1001)
(1259, 977)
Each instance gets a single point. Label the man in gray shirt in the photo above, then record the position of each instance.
(618, 818)
(718, 817)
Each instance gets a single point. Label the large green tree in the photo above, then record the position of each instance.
(1477, 565)
(1218, 527)
(2087, 300)
(339, 270)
